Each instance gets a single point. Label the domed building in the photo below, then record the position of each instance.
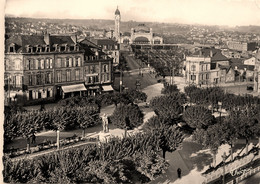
(141, 35)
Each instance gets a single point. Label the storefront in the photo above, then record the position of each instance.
(73, 90)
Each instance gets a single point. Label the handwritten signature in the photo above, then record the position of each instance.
(240, 172)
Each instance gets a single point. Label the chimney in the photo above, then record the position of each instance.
(210, 53)
(46, 38)
(74, 38)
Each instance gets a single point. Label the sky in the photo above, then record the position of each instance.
(210, 12)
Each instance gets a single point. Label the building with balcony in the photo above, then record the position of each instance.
(49, 67)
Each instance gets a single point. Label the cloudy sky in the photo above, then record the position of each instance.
(212, 12)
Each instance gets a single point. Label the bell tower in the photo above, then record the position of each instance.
(117, 25)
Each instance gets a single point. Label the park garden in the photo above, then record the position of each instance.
(138, 157)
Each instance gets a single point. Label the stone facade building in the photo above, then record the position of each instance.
(49, 67)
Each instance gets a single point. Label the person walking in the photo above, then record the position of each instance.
(179, 172)
(33, 138)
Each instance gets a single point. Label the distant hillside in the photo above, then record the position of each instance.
(108, 24)
(126, 26)
(250, 29)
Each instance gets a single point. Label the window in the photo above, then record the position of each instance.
(36, 63)
(38, 79)
(193, 77)
(47, 49)
(75, 62)
(70, 62)
(30, 95)
(67, 62)
(48, 78)
(58, 62)
(42, 63)
(68, 76)
(206, 67)
(92, 69)
(30, 80)
(11, 49)
(47, 63)
(207, 76)
(193, 67)
(39, 95)
(58, 76)
(39, 49)
(17, 64)
(50, 63)
(105, 68)
(77, 74)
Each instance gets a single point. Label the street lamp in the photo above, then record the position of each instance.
(224, 157)
(219, 107)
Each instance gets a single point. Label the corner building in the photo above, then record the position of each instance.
(46, 67)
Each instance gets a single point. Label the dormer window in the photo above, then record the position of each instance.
(12, 47)
(47, 48)
(71, 48)
(29, 49)
(76, 47)
(63, 48)
(39, 49)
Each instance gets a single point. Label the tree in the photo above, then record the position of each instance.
(156, 122)
(198, 117)
(135, 96)
(243, 121)
(60, 118)
(169, 137)
(28, 125)
(210, 138)
(86, 117)
(229, 132)
(169, 106)
(127, 116)
(169, 89)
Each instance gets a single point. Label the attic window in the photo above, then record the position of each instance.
(63, 48)
(71, 48)
(47, 48)
(39, 49)
(11, 49)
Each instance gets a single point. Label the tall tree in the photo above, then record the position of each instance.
(60, 118)
(169, 106)
(198, 117)
(127, 116)
(28, 125)
(169, 137)
(210, 138)
(86, 117)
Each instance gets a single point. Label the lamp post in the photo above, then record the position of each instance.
(224, 156)
(219, 107)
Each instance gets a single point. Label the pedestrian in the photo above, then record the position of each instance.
(33, 138)
(179, 172)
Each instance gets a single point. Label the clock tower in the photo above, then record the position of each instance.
(117, 24)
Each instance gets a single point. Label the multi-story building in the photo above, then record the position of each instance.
(48, 67)
(241, 46)
(98, 68)
(108, 46)
(197, 69)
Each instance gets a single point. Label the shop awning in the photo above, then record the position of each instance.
(107, 88)
(73, 88)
